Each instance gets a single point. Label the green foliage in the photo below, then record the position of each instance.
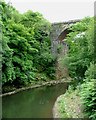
(88, 92)
(88, 96)
(81, 63)
(80, 47)
(59, 48)
(26, 47)
(91, 72)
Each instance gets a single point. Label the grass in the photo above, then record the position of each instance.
(69, 105)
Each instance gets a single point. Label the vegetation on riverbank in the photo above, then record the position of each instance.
(69, 105)
(38, 84)
(81, 62)
(27, 59)
(26, 55)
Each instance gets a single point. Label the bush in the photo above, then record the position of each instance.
(81, 50)
(88, 96)
(88, 92)
(26, 47)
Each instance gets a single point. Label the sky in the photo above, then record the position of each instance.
(56, 10)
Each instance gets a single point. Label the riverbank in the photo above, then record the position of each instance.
(36, 85)
(68, 106)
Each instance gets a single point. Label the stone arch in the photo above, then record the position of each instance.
(63, 34)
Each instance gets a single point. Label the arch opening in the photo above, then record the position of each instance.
(63, 34)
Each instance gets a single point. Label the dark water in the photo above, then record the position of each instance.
(33, 103)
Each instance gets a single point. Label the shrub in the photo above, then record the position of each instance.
(88, 92)
(88, 96)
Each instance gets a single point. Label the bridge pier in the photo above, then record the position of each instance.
(58, 34)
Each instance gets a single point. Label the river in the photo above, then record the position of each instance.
(32, 103)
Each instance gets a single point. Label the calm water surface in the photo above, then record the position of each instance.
(33, 103)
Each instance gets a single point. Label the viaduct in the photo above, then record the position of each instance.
(58, 33)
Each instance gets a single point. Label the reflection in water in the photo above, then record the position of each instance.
(33, 103)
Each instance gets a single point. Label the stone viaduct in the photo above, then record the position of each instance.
(58, 33)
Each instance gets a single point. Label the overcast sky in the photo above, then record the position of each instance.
(57, 10)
